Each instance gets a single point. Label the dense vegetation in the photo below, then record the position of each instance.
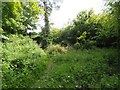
(17, 16)
(84, 54)
(23, 62)
(90, 29)
(84, 69)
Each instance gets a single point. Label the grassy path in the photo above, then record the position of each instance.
(50, 66)
(91, 68)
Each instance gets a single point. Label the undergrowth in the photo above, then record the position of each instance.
(97, 68)
(23, 62)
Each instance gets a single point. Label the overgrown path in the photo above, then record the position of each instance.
(50, 66)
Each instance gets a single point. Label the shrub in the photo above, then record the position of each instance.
(88, 44)
(56, 49)
(77, 45)
(23, 62)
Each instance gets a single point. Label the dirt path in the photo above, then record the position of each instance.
(50, 66)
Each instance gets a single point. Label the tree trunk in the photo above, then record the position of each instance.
(46, 30)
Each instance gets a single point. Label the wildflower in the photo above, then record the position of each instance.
(76, 86)
(68, 76)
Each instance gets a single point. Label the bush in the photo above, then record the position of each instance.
(89, 29)
(56, 49)
(88, 44)
(23, 62)
(77, 45)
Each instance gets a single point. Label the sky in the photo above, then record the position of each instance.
(69, 10)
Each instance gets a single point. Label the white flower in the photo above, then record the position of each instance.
(76, 85)
(68, 76)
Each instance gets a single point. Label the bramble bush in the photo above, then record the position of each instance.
(23, 62)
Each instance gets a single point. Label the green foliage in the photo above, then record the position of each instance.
(101, 30)
(77, 45)
(84, 44)
(82, 28)
(23, 62)
(107, 34)
(17, 16)
(46, 41)
(56, 36)
(83, 36)
(115, 13)
(110, 81)
(83, 69)
(88, 44)
(48, 7)
(62, 37)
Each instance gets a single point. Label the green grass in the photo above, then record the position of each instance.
(93, 68)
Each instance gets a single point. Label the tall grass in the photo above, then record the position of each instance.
(84, 69)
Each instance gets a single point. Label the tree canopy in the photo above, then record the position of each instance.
(17, 16)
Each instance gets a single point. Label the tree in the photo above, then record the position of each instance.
(31, 11)
(110, 20)
(17, 16)
(115, 13)
(48, 7)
